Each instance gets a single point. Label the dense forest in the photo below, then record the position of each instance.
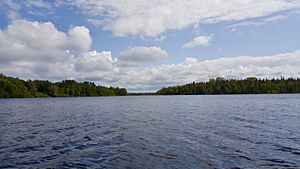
(16, 88)
(224, 86)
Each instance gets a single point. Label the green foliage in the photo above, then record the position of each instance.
(250, 85)
(16, 88)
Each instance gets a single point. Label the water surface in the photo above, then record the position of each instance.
(245, 131)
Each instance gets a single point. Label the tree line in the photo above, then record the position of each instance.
(17, 88)
(249, 85)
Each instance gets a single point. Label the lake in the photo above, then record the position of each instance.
(232, 131)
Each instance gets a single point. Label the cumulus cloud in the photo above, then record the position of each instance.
(25, 40)
(79, 38)
(95, 61)
(143, 54)
(198, 41)
(41, 49)
(151, 18)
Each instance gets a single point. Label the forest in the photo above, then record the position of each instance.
(16, 88)
(249, 85)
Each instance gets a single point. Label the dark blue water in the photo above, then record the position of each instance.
(246, 131)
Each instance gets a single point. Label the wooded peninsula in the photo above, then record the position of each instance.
(17, 88)
(250, 85)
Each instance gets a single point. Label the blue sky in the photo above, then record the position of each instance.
(144, 46)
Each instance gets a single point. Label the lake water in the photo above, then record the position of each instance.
(246, 131)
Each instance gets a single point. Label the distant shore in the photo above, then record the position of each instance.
(11, 87)
(221, 86)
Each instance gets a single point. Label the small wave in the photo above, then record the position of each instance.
(28, 149)
(277, 163)
(287, 149)
(163, 155)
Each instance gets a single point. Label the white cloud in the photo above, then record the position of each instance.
(198, 41)
(41, 49)
(95, 61)
(143, 54)
(263, 21)
(151, 18)
(80, 39)
(276, 18)
(23, 40)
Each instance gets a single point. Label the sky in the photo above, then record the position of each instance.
(144, 45)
